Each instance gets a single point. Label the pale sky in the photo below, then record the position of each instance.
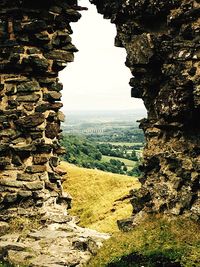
(98, 78)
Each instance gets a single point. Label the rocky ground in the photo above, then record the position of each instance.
(59, 242)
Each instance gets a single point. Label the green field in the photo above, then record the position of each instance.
(122, 143)
(127, 162)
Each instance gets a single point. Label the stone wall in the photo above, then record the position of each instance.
(163, 52)
(35, 227)
(35, 44)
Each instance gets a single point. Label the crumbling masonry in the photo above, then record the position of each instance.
(162, 40)
(35, 44)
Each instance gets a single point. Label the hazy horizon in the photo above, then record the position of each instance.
(105, 110)
(99, 116)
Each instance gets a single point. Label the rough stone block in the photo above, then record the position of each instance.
(27, 87)
(44, 148)
(34, 26)
(61, 116)
(11, 183)
(36, 169)
(23, 148)
(65, 56)
(27, 177)
(48, 106)
(9, 245)
(71, 48)
(56, 87)
(54, 161)
(31, 120)
(52, 130)
(28, 98)
(37, 185)
(40, 159)
(52, 96)
(24, 194)
(39, 64)
(8, 133)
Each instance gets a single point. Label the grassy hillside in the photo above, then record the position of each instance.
(97, 196)
(156, 242)
(85, 153)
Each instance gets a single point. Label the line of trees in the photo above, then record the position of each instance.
(108, 149)
(131, 135)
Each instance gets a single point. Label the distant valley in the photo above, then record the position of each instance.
(106, 140)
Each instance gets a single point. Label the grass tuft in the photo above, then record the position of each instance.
(23, 225)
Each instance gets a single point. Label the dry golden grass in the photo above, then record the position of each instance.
(95, 194)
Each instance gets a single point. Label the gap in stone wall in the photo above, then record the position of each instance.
(98, 79)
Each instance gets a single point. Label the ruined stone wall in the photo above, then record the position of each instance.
(162, 43)
(35, 44)
(162, 40)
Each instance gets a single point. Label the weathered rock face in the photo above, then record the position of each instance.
(35, 44)
(162, 40)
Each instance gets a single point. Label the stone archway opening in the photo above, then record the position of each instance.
(161, 78)
(96, 82)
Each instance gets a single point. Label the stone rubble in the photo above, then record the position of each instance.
(59, 242)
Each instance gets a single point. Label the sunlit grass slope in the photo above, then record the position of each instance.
(97, 196)
(153, 243)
